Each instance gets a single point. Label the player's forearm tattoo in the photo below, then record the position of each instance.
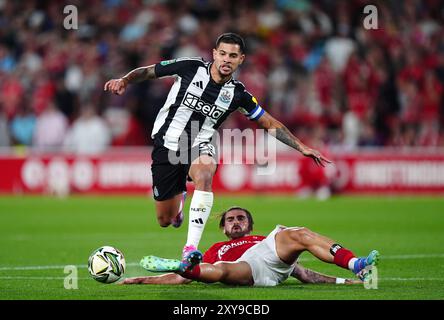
(140, 74)
(284, 135)
(315, 277)
(309, 276)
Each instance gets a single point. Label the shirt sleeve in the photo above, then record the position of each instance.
(250, 107)
(176, 66)
(210, 256)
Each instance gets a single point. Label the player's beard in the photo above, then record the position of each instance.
(237, 232)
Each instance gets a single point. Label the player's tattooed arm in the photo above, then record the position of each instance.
(281, 132)
(284, 135)
(167, 278)
(118, 86)
(309, 276)
(140, 74)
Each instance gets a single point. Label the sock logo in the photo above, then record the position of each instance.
(198, 221)
(334, 248)
(198, 209)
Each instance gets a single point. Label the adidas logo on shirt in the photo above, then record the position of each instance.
(198, 84)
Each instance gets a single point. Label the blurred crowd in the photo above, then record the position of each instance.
(311, 64)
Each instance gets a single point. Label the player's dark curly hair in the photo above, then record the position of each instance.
(249, 217)
(233, 38)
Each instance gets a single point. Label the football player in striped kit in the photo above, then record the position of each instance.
(203, 95)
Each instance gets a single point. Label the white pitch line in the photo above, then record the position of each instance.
(38, 267)
(132, 264)
(411, 279)
(396, 257)
(36, 278)
(414, 256)
(87, 278)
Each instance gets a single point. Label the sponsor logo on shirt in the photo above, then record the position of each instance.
(226, 247)
(166, 62)
(195, 103)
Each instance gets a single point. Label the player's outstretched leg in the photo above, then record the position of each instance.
(200, 209)
(361, 264)
(291, 242)
(201, 172)
(157, 264)
(167, 210)
(192, 259)
(237, 273)
(347, 260)
(178, 219)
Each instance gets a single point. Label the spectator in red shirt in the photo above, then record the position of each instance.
(432, 94)
(257, 260)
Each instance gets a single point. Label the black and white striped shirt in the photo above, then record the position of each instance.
(196, 104)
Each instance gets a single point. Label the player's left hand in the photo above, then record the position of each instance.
(116, 86)
(318, 158)
(353, 281)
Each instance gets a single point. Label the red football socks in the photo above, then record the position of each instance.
(192, 274)
(342, 257)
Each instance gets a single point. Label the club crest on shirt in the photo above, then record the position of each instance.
(225, 96)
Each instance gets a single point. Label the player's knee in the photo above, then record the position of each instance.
(222, 271)
(163, 221)
(303, 236)
(203, 179)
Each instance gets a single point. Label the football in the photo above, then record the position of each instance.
(106, 264)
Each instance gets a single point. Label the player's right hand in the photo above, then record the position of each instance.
(318, 158)
(116, 86)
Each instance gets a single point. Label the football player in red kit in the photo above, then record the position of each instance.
(257, 260)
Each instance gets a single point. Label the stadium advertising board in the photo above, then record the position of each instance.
(129, 172)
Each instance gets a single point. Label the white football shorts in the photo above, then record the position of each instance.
(267, 268)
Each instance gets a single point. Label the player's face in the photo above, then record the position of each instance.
(227, 58)
(236, 224)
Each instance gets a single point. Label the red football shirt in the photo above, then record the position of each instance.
(230, 250)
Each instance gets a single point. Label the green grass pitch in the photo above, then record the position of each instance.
(41, 235)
